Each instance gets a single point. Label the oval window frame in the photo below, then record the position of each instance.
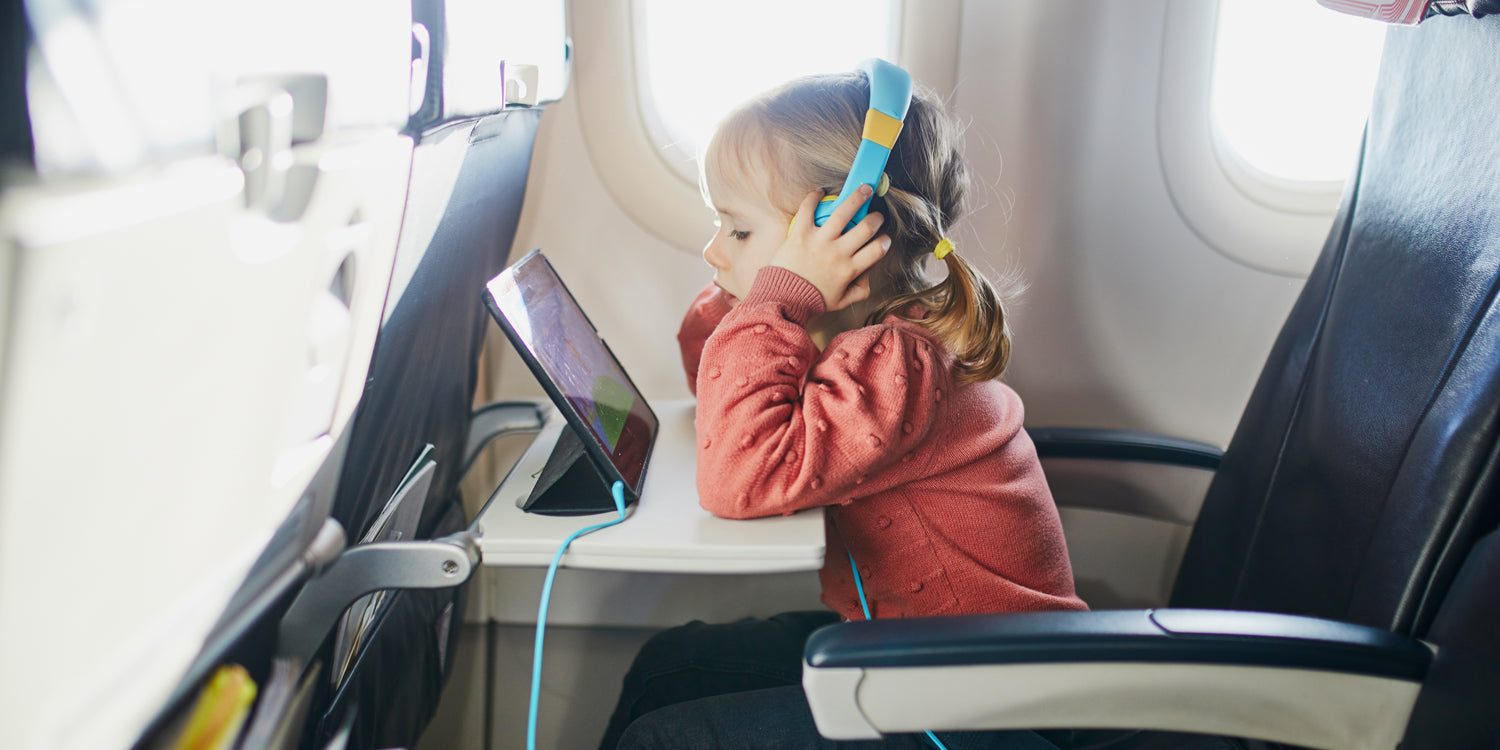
(1247, 215)
(631, 164)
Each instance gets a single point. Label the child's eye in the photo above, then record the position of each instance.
(740, 234)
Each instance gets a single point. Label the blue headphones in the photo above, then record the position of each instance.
(890, 95)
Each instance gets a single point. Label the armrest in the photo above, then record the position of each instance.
(1282, 678)
(439, 563)
(1123, 445)
(495, 419)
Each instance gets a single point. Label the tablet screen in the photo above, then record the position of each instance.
(581, 375)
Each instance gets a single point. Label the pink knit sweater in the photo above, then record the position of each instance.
(934, 487)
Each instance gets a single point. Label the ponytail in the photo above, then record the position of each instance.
(966, 314)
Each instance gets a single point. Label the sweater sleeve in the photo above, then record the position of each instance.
(782, 427)
(708, 308)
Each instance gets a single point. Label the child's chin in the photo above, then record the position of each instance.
(734, 299)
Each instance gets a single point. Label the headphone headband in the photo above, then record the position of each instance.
(890, 96)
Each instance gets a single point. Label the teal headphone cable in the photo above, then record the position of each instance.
(859, 586)
(618, 491)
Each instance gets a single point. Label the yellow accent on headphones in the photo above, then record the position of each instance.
(881, 128)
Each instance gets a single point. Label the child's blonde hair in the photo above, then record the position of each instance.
(807, 131)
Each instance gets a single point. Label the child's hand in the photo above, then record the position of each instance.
(835, 263)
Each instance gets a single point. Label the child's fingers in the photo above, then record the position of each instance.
(805, 211)
(860, 234)
(866, 257)
(842, 215)
(856, 292)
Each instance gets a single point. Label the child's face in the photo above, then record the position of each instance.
(750, 229)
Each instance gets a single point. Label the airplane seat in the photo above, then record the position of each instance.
(478, 95)
(411, 441)
(1338, 587)
(420, 392)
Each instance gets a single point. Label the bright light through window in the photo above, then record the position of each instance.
(1292, 84)
(704, 58)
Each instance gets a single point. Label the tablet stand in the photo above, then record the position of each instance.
(569, 484)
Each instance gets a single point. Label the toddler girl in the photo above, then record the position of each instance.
(832, 371)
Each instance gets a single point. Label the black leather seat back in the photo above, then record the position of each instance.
(1364, 467)
(1457, 704)
(426, 364)
(420, 390)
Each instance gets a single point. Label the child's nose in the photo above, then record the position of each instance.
(713, 255)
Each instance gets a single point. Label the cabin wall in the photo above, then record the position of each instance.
(1131, 319)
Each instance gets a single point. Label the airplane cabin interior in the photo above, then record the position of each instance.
(343, 344)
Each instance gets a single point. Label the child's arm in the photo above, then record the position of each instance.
(703, 316)
(767, 443)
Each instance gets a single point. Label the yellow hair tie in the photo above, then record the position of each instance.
(944, 246)
(884, 186)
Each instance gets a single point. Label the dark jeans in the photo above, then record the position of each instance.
(739, 685)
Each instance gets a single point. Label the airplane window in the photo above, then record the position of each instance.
(1292, 83)
(701, 59)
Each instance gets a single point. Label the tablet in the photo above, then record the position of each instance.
(564, 351)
